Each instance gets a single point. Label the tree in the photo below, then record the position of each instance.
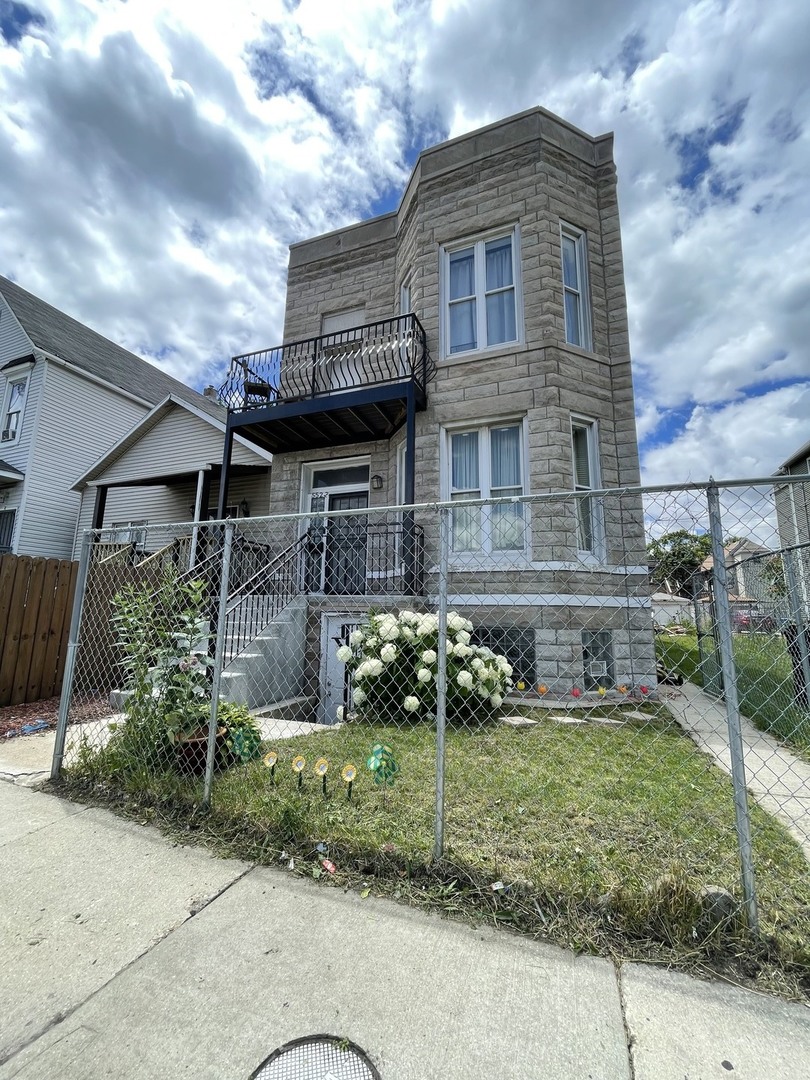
(676, 559)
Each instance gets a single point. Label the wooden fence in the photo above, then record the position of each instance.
(36, 600)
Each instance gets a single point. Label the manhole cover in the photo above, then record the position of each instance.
(317, 1057)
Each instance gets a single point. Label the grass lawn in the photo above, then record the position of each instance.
(764, 682)
(600, 836)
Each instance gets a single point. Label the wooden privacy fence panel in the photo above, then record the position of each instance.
(36, 600)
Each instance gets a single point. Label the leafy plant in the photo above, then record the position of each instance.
(243, 735)
(163, 640)
(393, 662)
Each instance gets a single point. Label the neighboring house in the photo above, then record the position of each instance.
(473, 343)
(754, 603)
(793, 520)
(67, 395)
(166, 470)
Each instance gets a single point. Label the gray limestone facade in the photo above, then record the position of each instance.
(507, 247)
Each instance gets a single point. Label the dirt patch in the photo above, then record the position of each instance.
(14, 717)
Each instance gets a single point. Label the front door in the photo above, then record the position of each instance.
(346, 546)
(335, 686)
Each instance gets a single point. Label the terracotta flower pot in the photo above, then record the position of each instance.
(191, 751)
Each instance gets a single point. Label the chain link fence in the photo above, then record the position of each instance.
(587, 697)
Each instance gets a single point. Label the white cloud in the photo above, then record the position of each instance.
(158, 159)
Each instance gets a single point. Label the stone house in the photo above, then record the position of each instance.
(472, 344)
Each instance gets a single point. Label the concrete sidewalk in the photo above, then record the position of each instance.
(127, 955)
(777, 779)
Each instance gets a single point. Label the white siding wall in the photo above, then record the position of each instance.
(78, 421)
(14, 343)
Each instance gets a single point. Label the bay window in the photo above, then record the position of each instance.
(575, 286)
(481, 301)
(585, 446)
(483, 463)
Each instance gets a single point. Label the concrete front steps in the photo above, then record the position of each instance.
(270, 669)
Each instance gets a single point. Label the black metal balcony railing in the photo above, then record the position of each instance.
(389, 351)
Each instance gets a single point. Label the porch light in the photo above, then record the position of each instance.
(377, 482)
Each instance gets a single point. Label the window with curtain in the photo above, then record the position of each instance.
(575, 286)
(481, 306)
(586, 478)
(13, 407)
(487, 462)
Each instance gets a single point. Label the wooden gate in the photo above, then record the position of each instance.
(36, 600)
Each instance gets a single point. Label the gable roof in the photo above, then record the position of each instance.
(151, 420)
(59, 335)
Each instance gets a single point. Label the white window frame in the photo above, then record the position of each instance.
(593, 506)
(12, 381)
(405, 297)
(486, 551)
(478, 242)
(582, 290)
(401, 451)
(129, 532)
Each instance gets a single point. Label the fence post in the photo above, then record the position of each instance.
(219, 651)
(723, 615)
(802, 676)
(70, 657)
(441, 681)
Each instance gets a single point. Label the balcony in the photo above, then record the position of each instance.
(352, 386)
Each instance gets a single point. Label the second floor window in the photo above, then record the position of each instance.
(481, 307)
(13, 406)
(484, 463)
(575, 286)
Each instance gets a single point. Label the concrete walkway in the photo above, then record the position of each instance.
(127, 955)
(779, 781)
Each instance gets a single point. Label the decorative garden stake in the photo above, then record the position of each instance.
(298, 764)
(601, 691)
(542, 689)
(348, 773)
(384, 766)
(521, 685)
(576, 692)
(644, 689)
(270, 759)
(622, 689)
(321, 769)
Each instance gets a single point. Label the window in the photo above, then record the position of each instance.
(487, 462)
(405, 307)
(575, 286)
(129, 532)
(13, 407)
(585, 443)
(513, 642)
(482, 303)
(597, 659)
(7, 518)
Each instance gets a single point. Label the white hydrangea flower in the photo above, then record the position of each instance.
(409, 616)
(477, 663)
(462, 650)
(411, 703)
(428, 624)
(372, 642)
(359, 697)
(424, 674)
(374, 667)
(388, 653)
(356, 637)
(407, 633)
(482, 691)
(495, 700)
(428, 656)
(340, 712)
(344, 654)
(484, 673)
(455, 622)
(463, 636)
(465, 679)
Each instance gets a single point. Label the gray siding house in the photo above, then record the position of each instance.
(67, 396)
(471, 344)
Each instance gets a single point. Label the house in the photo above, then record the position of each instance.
(793, 522)
(471, 344)
(754, 603)
(165, 470)
(67, 396)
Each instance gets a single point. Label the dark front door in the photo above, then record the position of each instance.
(346, 546)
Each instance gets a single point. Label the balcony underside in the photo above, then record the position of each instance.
(335, 419)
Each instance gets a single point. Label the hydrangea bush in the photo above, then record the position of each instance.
(392, 661)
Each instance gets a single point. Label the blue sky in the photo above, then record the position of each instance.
(159, 158)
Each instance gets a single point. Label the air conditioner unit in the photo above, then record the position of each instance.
(598, 669)
(7, 435)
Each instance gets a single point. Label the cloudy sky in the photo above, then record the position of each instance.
(157, 158)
